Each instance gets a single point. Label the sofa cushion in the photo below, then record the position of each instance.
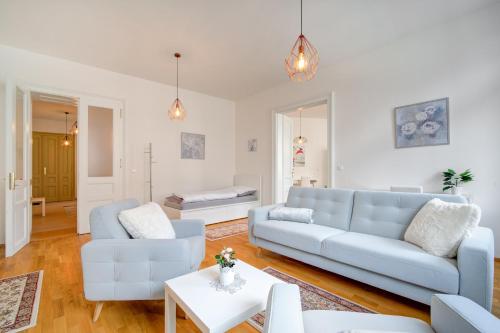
(393, 258)
(332, 207)
(388, 214)
(337, 321)
(301, 236)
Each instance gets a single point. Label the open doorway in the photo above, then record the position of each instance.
(54, 165)
(303, 147)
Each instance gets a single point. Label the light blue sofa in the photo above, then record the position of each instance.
(116, 267)
(449, 314)
(359, 234)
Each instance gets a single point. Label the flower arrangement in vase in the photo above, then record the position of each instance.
(453, 182)
(226, 261)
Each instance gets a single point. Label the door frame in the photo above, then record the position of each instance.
(325, 99)
(71, 94)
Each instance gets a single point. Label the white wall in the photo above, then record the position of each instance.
(316, 148)
(458, 59)
(146, 120)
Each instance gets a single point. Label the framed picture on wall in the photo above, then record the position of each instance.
(422, 124)
(299, 156)
(252, 145)
(192, 146)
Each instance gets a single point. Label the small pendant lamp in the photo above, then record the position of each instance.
(300, 139)
(177, 111)
(66, 141)
(302, 62)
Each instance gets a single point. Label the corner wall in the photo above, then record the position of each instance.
(459, 59)
(146, 120)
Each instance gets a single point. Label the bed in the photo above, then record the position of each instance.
(218, 209)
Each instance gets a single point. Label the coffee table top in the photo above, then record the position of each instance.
(218, 311)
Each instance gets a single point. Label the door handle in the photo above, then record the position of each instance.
(12, 181)
(45, 171)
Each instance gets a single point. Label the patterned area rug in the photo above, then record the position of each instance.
(312, 298)
(19, 299)
(226, 231)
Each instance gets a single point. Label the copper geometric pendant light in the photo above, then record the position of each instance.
(177, 111)
(302, 62)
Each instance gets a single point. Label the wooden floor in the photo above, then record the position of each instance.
(64, 309)
(59, 220)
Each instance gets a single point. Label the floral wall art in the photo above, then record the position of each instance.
(422, 124)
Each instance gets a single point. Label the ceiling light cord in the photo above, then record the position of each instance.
(177, 77)
(301, 17)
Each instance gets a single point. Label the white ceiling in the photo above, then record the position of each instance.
(230, 48)
(53, 107)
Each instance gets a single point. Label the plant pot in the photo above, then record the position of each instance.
(226, 276)
(457, 190)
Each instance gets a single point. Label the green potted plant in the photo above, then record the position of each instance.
(453, 182)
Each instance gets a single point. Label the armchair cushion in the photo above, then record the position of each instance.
(104, 223)
(451, 314)
(284, 310)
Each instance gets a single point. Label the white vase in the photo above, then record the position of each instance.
(458, 190)
(226, 276)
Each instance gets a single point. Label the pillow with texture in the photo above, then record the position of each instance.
(148, 221)
(302, 215)
(439, 226)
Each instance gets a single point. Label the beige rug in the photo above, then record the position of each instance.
(19, 300)
(312, 298)
(224, 231)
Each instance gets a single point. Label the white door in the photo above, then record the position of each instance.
(287, 155)
(18, 168)
(100, 176)
(283, 157)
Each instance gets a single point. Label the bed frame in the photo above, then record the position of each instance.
(216, 214)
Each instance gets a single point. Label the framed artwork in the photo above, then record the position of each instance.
(192, 146)
(299, 156)
(252, 145)
(422, 124)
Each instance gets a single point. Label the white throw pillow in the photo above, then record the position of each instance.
(148, 221)
(440, 226)
(302, 215)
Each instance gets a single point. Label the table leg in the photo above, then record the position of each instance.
(43, 207)
(169, 314)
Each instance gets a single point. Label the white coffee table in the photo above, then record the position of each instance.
(212, 310)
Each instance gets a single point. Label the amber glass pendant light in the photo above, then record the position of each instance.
(302, 62)
(177, 111)
(300, 140)
(66, 141)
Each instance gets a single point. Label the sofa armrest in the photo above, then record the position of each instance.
(475, 259)
(133, 269)
(256, 215)
(284, 311)
(188, 228)
(452, 314)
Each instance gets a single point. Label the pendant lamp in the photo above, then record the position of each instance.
(300, 139)
(177, 111)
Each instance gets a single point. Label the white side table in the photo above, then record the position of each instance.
(40, 200)
(216, 311)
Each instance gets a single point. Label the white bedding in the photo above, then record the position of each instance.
(223, 193)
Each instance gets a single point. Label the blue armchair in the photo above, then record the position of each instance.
(118, 268)
(449, 314)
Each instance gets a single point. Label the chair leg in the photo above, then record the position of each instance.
(259, 252)
(97, 311)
